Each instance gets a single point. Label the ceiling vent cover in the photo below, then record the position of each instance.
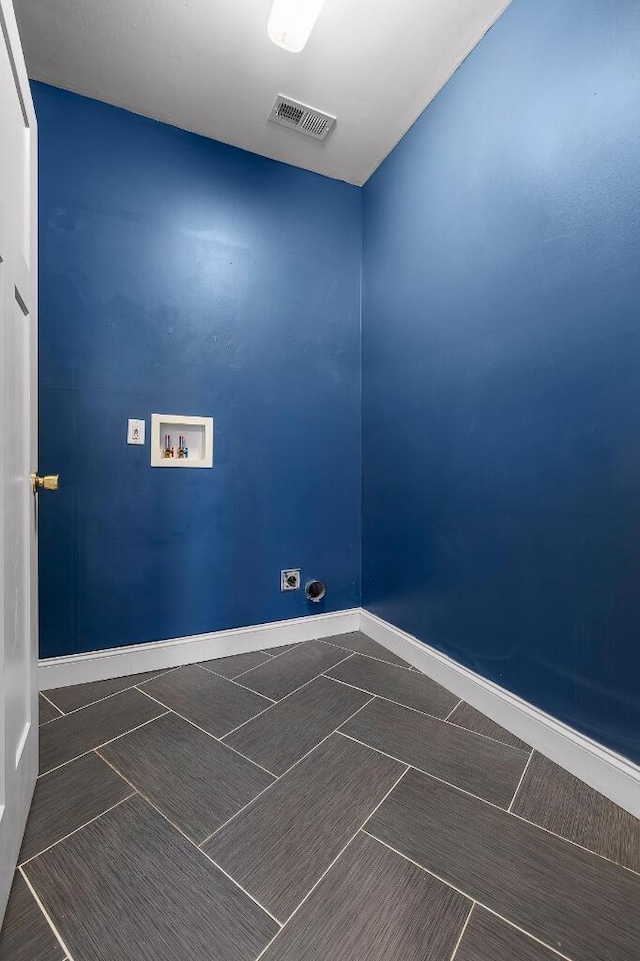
(297, 116)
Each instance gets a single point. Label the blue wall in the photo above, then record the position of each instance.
(182, 275)
(501, 366)
(501, 359)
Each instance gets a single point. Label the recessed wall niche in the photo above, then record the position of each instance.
(179, 440)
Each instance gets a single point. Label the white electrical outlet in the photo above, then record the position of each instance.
(290, 580)
(135, 432)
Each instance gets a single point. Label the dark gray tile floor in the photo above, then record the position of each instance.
(232, 667)
(275, 651)
(466, 716)
(395, 683)
(281, 845)
(488, 769)
(568, 898)
(67, 699)
(342, 918)
(68, 798)
(214, 703)
(128, 886)
(195, 781)
(284, 674)
(292, 727)
(488, 938)
(317, 802)
(68, 737)
(48, 711)
(553, 798)
(26, 935)
(359, 643)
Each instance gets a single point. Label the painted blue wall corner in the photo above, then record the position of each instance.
(501, 351)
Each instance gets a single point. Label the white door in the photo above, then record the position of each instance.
(18, 449)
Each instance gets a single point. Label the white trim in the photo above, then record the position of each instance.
(603, 769)
(137, 658)
(161, 421)
(610, 773)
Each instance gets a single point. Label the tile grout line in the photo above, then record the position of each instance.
(539, 827)
(95, 748)
(344, 848)
(107, 697)
(434, 717)
(185, 836)
(232, 680)
(293, 645)
(281, 700)
(279, 777)
(68, 955)
(420, 770)
(271, 657)
(380, 803)
(398, 703)
(50, 721)
(337, 858)
(255, 717)
(81, 826)
(236, 676)
(348, 654)
(464, 928)
(487, 737)
(201, 844)
(262, 664)
(54, 706)
(244, 891)
(99, 700)
(203, 730)
(372, 657)
(452, 711)
(468, 897)
(246, 758)
(519, 785)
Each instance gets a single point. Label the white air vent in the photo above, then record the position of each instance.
(298, 116)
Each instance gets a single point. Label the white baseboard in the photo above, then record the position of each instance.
(610, 773)
(138, 658)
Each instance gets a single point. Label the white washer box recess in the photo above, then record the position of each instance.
(197, 433)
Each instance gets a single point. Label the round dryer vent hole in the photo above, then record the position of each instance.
(315, 591)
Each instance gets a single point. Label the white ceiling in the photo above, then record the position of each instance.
(209, 66)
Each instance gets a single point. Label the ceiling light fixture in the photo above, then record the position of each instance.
(291, 22)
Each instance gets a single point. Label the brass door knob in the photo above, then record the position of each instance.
(50, 482)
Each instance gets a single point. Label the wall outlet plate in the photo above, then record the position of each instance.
(135, 431)
(290, 579)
